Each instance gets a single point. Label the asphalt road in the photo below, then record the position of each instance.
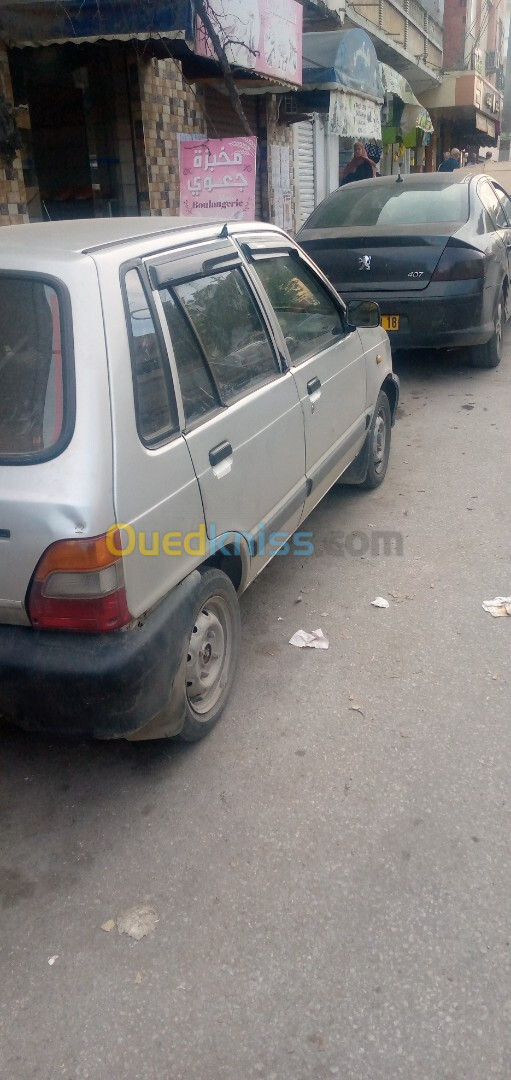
(331, 866)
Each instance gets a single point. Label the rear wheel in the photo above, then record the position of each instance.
(489, 355)
(379, 443)
(213, 653)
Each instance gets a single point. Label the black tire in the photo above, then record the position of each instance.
(379, 443)
(213, 654)
(489, 355)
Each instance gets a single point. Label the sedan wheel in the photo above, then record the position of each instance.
(379, 443)
(489, 355)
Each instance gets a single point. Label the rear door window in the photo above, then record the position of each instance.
(198, 390)
(494, 209)
(505, 202)
(35, 369)
(229, 332)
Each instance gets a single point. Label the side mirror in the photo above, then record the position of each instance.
(363, 313)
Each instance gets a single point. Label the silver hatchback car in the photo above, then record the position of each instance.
(175, 399)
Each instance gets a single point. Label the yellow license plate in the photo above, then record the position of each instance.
(390, 322)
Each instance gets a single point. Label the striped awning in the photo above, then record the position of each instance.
(49, 22)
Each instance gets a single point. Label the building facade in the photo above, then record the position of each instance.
(467, 107)
(100, 107)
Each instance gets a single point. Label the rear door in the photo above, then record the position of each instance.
(497, 227)
(326, 357)
(505, 218)
(243, 421)
(156, 490)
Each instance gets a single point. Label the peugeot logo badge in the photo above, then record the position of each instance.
(364, 262)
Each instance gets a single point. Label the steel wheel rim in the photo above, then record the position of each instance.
(209, 655)
(379, 441)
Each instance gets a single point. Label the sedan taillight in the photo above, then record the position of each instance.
(79, 585)
(460, 264)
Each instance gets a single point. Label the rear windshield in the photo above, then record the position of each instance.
(31, 369)
(397, 204)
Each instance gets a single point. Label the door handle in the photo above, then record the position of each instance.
(314, 385)
(219, 453)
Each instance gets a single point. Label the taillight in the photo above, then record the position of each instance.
(459, 264)
(79, 585)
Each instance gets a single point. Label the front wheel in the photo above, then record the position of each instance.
(489, 355)
(213, 653)
(379, 443)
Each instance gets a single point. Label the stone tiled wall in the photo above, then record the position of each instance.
(167, 106)
(164, 105)
(13, 203)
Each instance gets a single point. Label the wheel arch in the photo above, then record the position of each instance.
(390, 387)
(505, 290)
(233, 559)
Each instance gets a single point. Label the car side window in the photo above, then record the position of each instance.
(197, 387)
(308, 315)
(505, 202)
(493, 208)
(230, 330)
(155, 402)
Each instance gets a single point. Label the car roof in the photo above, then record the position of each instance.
(85, 235)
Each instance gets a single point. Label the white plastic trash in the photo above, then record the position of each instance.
(315, 640)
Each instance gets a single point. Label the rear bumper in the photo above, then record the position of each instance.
(104, 686)
(436, 318)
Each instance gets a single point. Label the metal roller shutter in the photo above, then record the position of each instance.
(222, 122)
(306, 186)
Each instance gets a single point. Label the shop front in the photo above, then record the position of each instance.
(79, 74)
(406, 126)
(340, 101)
(466, 111)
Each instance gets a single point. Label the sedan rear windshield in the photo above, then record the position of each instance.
(32, 376)
(396, 204)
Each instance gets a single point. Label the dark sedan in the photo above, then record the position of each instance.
(434, 250)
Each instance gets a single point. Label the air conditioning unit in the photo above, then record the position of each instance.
(493, 61)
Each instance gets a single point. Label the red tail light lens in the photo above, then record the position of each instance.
(460, 264)
(79, 585)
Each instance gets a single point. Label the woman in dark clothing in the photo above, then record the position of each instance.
(360, 167)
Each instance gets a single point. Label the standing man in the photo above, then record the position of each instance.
(452, 162)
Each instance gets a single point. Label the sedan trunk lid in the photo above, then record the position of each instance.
(374, 260)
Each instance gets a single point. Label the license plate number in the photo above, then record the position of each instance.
(390, 322)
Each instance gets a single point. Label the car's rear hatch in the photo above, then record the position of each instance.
(373, 260)
(55, 432)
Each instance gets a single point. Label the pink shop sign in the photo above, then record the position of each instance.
(217, 178)
(264, 36)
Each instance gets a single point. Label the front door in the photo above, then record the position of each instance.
(328, 364)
